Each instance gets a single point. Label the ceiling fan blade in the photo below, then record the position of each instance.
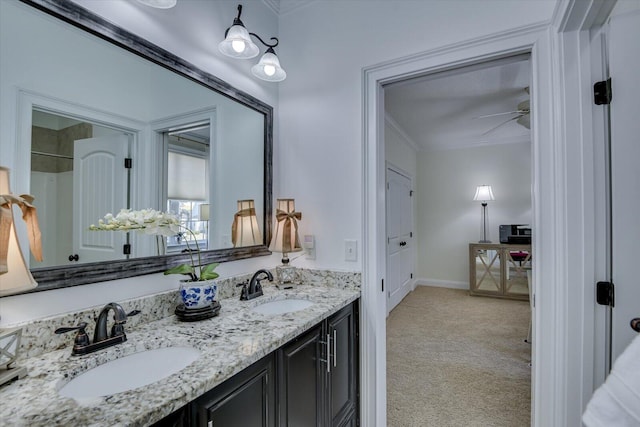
(524, 120)
(502, 114)
(501, 124)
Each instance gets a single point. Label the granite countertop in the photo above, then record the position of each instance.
(228, 343)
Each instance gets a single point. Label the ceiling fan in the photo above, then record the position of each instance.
(521, 115)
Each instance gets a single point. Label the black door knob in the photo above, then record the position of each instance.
(74, 257)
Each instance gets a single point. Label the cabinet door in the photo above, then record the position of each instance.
(301, 369)
(245, 400)
(343, 375)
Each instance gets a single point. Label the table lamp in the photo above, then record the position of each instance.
(14, 273)
(285, 238)
(484, 194)
(245, 230)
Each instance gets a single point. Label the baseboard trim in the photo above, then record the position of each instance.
(442, 283)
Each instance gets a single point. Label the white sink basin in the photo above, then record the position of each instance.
(129, 372)
(282, 306)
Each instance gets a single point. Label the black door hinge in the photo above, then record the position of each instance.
(128, 163)
(602, 94)
(410, 193)
(126, 249)
(605, 293)
(412, 275)
(382, 285)
(411, 234)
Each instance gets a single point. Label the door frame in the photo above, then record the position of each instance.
(564, 194)
(28, 100)
(533, 40)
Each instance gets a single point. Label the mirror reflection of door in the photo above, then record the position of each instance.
(99, 186)
(188, 186)
(53, 185)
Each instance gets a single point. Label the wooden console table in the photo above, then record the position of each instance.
(499, 270)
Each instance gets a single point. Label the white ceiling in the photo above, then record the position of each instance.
(441, 111)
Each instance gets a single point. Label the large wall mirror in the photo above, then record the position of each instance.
(106, 121)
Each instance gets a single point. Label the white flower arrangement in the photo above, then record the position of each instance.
(152, 222)
(147, 221)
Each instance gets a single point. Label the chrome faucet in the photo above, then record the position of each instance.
(101, 339)
(254, 288)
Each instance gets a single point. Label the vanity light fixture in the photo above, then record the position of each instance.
(245, 230)
(159, 4)
(238, 44)
(285, 238)
(484, 194)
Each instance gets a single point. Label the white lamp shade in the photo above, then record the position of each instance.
(15, 275)
(159, 4)
(269, 69)
(204, 212)
(245, 230)
(238, 44)
(285, 236)
(483, 193)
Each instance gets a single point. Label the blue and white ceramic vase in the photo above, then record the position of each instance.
(197, 294)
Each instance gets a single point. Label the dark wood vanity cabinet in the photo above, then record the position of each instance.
(246, 399)
(343, 378)
(300, 380)
(312, 381)
(318, 374)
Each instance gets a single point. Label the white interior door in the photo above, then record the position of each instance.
(99, 187)
(399, 238)
(624, 68)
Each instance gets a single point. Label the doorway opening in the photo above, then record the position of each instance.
(68, 155)
(455, 130)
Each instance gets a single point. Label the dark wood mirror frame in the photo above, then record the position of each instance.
(60, 277)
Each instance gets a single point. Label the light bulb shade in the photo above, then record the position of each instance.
(204, 212)
(483, 193)
(14, 273)
(245, 230)
(159, 4)
(285, 237)
(268, 68)
(238, 43)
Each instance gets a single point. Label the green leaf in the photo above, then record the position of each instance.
(181, 269)
(207, 272)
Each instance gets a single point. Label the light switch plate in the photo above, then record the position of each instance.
(309, 245)
(350, 250)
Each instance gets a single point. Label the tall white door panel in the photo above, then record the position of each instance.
(624, 68)
(400, 247)
(99, 187)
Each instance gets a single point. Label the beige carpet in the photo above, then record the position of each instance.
(457, 360)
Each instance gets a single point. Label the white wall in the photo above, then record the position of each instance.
(448, 218)
(324, 47)
(399, 151)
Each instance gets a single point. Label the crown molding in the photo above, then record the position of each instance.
(273, 5)
(396, 126)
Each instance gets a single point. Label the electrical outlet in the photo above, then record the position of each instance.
(350, 250)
